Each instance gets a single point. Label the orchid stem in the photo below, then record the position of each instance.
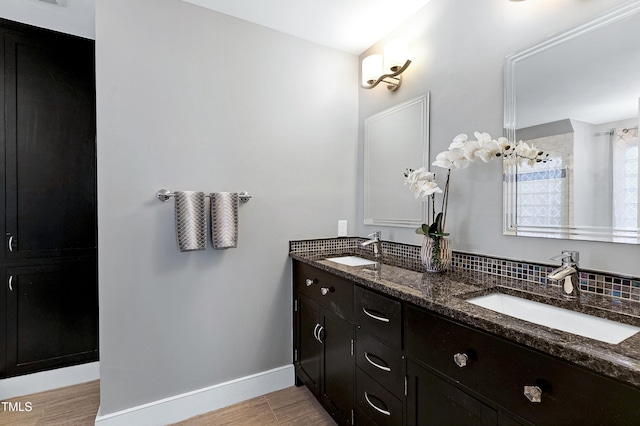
(445, 201)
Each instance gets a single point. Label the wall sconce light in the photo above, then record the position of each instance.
(377, 69)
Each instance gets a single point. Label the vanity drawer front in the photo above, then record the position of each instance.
(499, 370)
(330, 291)
(382, 363)
(376, 402)
(379, 316)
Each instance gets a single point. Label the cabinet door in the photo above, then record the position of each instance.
(50, 174)
(308, 346)
(52, 316)
(433, 401)
(338, 365)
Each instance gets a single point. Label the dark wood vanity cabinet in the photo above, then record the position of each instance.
(324, 339)
(520, 384)
(374, 360)
(380, 363)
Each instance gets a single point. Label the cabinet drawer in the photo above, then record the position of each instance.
(382, 363)
(330, 291)
(499, 370)
(376, 402)
(379, 316)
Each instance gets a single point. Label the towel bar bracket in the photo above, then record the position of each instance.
(164, 195)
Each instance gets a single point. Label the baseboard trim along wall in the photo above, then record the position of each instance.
(47, 380)
(186, 405)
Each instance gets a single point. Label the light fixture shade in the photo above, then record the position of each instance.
(396, 53)
(371, 69)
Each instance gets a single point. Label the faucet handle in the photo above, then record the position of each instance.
(568, 256)
(376, 234)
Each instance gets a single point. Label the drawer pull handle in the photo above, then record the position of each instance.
(375, 364)
(10, 242)
(11, 282)
(378, 409)
(376, 317)
(315, 332)
(321, 334)
(461, 359)
(533, 393)
(326, 290)
(310, 282)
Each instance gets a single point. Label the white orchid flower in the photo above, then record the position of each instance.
(453, 158)
(489, 149)
(482, 137)
(459, 141)
(504, 143)
(422, 182)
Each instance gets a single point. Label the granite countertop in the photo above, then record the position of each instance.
(445, 293)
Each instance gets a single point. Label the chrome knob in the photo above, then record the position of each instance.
(310, 282)
(533, 393)
(325, 290)
(461, 359)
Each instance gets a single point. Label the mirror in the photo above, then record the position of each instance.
(395, 139)
(576, 96)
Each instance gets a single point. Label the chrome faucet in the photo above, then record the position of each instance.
(568, 272)
(374, 238)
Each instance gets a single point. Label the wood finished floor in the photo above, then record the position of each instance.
(78, 405)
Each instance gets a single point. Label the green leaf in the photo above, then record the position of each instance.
(436, 226)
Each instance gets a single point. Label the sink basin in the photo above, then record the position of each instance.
(561, 319)
(352, 261)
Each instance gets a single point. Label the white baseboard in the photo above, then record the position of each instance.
(186, 405)
(47, 380)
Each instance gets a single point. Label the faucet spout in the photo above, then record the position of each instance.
(561, 272)
(375, 240)
(567, 273)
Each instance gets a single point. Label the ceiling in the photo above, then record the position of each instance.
(348, 25)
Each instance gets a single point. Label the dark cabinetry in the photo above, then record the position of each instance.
(380, 364)
(48, 202)
(515, 381)
(415, 367)
(431, 400)
(324, 339)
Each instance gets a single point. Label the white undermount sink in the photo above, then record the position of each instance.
(352, 261)
(561, 319)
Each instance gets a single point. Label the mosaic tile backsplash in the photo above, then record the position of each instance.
(408, 256)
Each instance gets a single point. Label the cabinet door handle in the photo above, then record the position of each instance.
(320, 336)
(11, 282)
(376, 317)
(378, 409)
(461, 359)
(533, 393)
(375, 364)
(10, 242)
(315, 332)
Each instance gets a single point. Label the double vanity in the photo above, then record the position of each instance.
(385, 343)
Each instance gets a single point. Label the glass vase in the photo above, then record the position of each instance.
(436, 253)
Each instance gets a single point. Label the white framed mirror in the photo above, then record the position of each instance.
(576, 96)
(395, 139)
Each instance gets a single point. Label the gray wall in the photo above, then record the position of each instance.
(189, 99)
(458, 48)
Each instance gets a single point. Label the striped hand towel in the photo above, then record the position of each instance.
(224, 220)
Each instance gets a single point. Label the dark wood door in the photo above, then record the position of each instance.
(338, 365)
(309, 347)
(52, 315)
(49, 132)
(433, 401)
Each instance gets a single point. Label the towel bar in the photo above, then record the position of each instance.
(165, 194)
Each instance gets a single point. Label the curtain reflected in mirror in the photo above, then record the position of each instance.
(576, 97)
